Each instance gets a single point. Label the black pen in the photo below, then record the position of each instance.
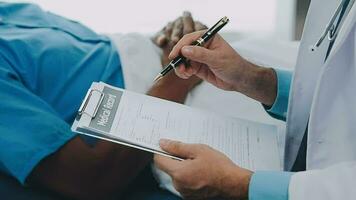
(203, 39)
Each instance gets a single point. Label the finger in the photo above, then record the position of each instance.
(207, 75)
(180, 72)
(201, 71)
(168, 30)
(199, 54)
(166, 164)
(161, 39)
(193, 68)
(198, 26)
(177, 31)
(186, 40)
(188, 23)
(179, 149)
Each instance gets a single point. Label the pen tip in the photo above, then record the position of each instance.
(158, 77)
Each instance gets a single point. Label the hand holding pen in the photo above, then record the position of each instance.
(203, 39)
(217, 63)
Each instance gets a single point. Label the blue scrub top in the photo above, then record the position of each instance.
(47, 63)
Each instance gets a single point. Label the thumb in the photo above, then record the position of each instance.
(176, 148)
(198, 54)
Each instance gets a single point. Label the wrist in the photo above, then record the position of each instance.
(172, 80)
(258, 82)
(170, 88)
(266, 85)
(246, 75)
(236, 185)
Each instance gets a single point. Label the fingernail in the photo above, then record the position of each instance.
(187, 50)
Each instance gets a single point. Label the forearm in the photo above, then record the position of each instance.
(259, 83)
(80, 172)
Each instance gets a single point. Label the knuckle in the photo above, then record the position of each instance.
(175, 145)
(178, 21)
(187, 13)
(180, 25)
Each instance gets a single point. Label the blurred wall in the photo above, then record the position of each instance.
(290, 18)
(148, 16)
(281, 18)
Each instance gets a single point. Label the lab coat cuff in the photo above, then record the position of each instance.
(269, 185)
(280, 105)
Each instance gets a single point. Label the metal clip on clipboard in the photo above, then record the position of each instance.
(86, 100)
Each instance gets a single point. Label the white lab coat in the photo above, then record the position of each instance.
(324, 94)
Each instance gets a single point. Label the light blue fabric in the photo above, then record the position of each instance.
(269, 185)
(47, 63)
(280, 105)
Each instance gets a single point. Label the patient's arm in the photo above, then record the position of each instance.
(81, 172)
(105, 170)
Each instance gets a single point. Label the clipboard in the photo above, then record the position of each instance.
(89, 109)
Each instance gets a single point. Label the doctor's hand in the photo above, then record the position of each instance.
(219, 64)
(205, 173)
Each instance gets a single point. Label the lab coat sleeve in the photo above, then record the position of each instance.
(280, 105)
(30, 129)
(260, 187)
(335, 182)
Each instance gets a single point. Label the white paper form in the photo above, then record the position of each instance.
(144, 120)
(140, 121)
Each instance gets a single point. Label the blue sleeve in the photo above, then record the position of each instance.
(30, 129)
(261, 187)
(280, 105)
(47, 63)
